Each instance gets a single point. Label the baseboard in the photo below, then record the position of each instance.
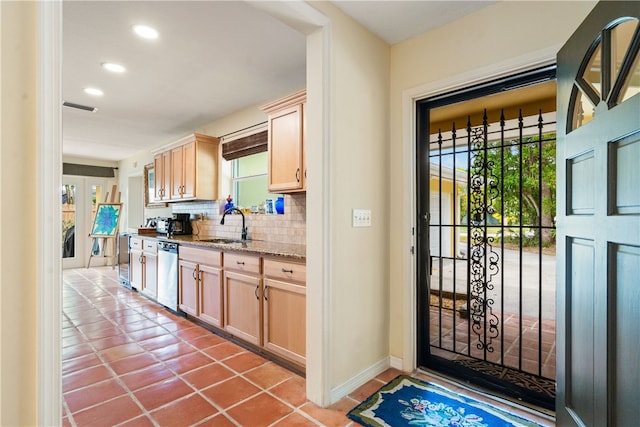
(396, 363)
(350, 385)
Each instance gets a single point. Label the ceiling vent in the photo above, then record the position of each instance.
(79, 106)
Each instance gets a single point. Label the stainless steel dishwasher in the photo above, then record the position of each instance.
(168, 274)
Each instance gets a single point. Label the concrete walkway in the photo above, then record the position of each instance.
(516, 280)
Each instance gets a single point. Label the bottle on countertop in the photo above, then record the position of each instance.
(229, 204)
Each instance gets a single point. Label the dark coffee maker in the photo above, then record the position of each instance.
(180, 224)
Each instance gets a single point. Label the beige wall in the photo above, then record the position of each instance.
(495, 35)
(18, 244)
(353, 154)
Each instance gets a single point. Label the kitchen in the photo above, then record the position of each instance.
(185, 258)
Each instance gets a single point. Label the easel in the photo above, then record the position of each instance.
(107, 241)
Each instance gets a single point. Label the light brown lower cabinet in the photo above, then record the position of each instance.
(284, 308)
(260, 300)
(284, 320)
(242, 285)
(144, 266)
(200, 284)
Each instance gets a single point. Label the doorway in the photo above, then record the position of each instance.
(79, 198)
(486, 235)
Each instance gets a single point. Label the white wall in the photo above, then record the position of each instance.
(508, 33)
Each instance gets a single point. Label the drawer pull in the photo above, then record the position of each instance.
(284, 270)
(240, 262)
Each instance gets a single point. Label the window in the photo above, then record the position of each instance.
(250, 184)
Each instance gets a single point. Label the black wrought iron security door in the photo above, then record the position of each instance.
(486, 197)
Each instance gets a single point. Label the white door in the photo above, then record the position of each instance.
(79, 198)
(598, 232)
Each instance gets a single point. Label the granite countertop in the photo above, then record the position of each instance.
(260, 247)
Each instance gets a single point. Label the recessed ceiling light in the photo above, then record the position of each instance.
(116, 68)
(146, 32)
(93, 91)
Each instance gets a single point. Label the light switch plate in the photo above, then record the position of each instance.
(362, 218)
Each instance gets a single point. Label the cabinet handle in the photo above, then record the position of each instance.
(200, 273)
(284, 270)
(266, 288)
(194, 274)
(298, 174)
(240, 262)
(141, 259)
(256, 292)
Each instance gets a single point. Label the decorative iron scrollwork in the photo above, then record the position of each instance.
(483, 259)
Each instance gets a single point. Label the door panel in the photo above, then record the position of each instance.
(580, 303)
(622, 155)
(211, 295)
(599, 221)
(188, 295)
(625, 261)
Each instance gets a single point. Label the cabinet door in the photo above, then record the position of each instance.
(189, 170)
(150, 287)
(285, 320)
(136, 265)
(188, 287)
(162, 175)
(158, 168)
(211, 295)
(242, 305)
(286, 171)
(177, 171)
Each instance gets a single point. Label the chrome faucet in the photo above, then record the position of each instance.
(244, 229)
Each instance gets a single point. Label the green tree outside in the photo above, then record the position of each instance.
(527, 201)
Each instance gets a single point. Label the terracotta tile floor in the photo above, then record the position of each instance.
(129, 362)
(529, 355)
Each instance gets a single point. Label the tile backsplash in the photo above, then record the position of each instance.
(290, 227)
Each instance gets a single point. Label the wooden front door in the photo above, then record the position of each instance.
(598, 226)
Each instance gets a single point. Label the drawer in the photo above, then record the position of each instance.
(135, 243)
(200, 256)
(286, 270)
(150, 246)
(242, 262)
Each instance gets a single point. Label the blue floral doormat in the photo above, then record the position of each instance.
(407, 401)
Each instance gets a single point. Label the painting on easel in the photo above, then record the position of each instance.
(107, 220)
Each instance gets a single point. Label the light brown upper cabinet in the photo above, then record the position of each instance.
(188, 169)
(162, 176)
(286, 139)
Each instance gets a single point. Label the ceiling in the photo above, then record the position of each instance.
(211, 58)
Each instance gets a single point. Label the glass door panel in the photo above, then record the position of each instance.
(80, 197)
(68, 221)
